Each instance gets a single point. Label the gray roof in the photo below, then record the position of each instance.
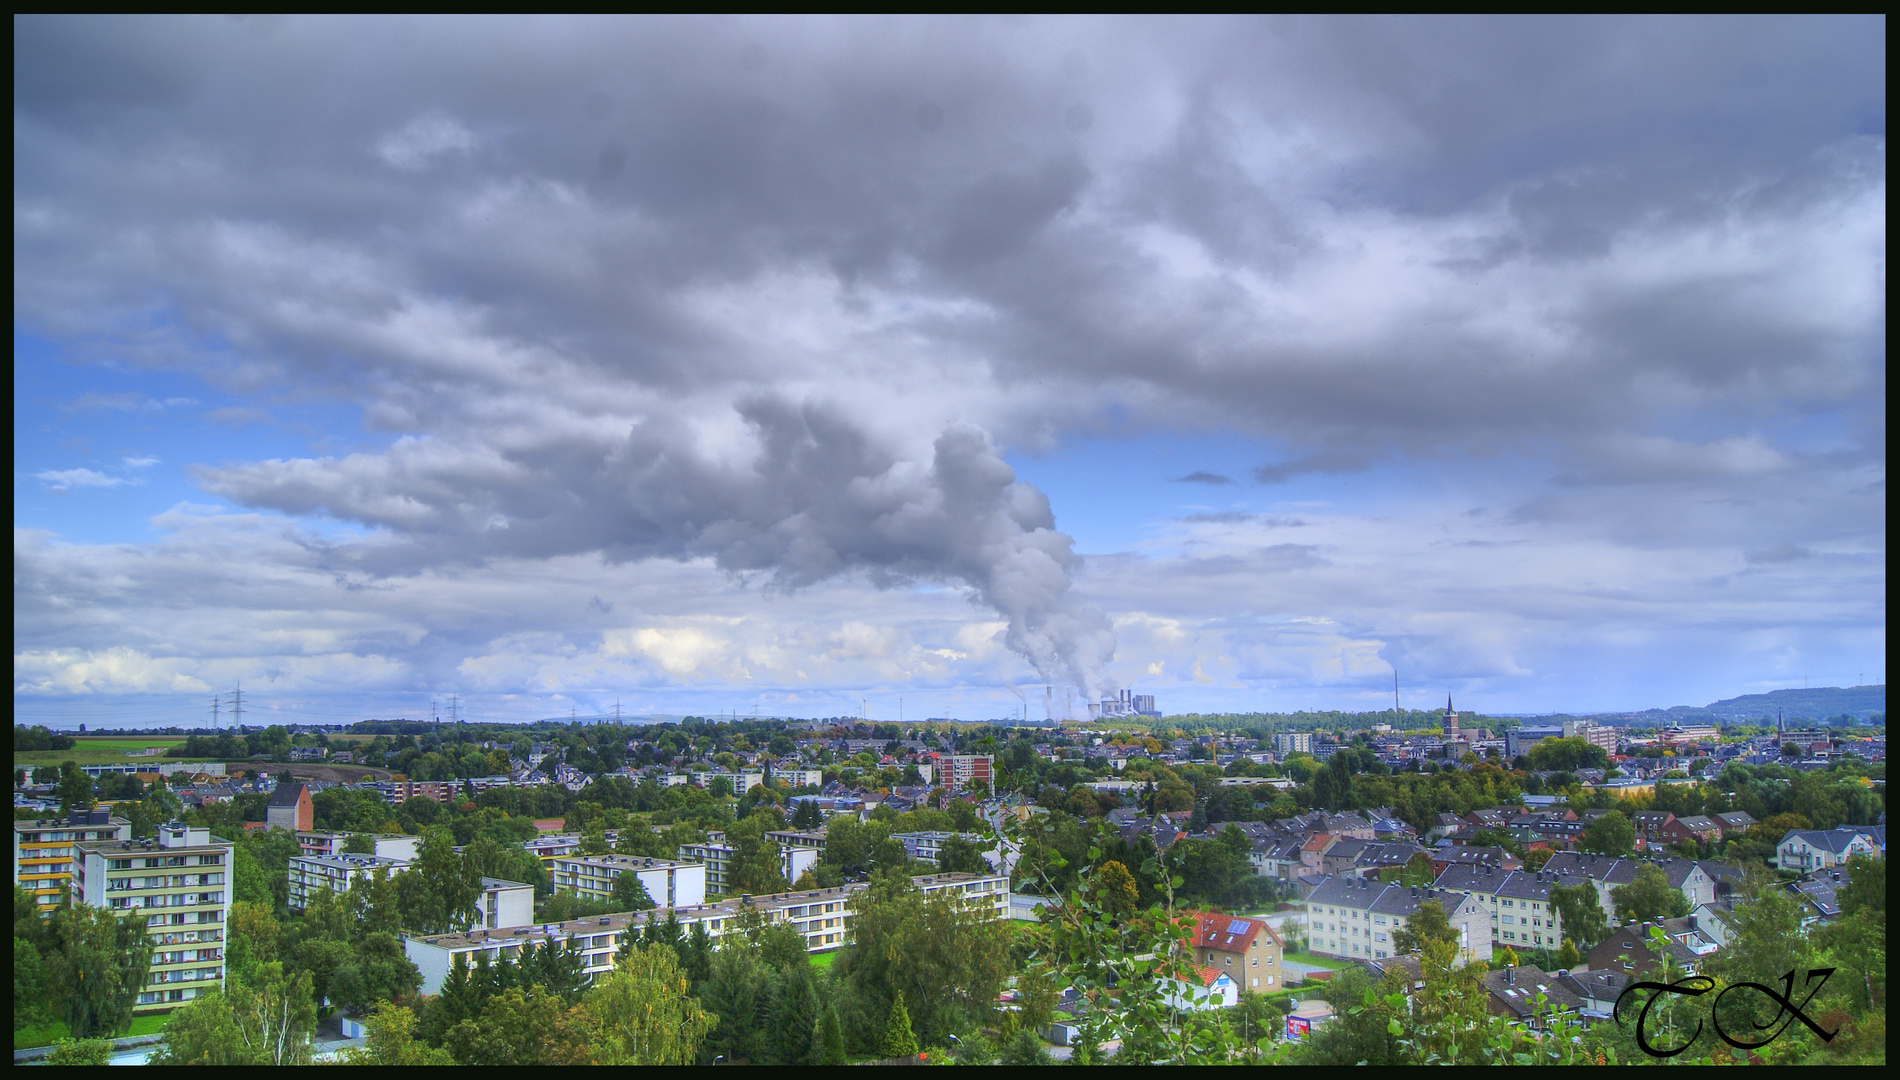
(286, 794)
(1519, 987)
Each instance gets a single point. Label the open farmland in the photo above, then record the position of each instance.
(105, 750)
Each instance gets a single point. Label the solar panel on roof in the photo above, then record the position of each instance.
(1238, 926)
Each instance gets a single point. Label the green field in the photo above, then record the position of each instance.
(823, 960)
(102, 751)
(1326, 962)
(47, 1035)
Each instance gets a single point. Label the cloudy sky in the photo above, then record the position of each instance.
(806, 365)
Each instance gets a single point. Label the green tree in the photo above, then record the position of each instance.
(277, 1013)
(1360, 1030)
(205, 1031)
(1115, 888)
(93, 1052)
(736, 993)
(899, 1040)
(947, 959)
(642, 1013)
(1025, 1049)
(377, 970)
(97, 962)
(1580, 913)
(1418, 873)
(390, 1040)
(1649, 897)
(439, 894)
(520, 1027)
(829, 1047)
(1568, 957)
(1611, 834)
(75, 789)
(1427, 924)
(630, 894)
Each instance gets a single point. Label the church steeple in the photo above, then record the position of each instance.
(1451, 719)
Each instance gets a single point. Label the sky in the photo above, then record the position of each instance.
(943, 367)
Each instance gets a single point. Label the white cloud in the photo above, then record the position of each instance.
(65, 479)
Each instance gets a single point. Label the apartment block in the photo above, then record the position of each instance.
(336, 873)
(43, 850)
(929, 845)
(1594, 734)
(178, 883)
(970, 772)
(333, 843)
(1355, 918)
(822, 916)
(718, 856)
(1293, 742)
(670, 883)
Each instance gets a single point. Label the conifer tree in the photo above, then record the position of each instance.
(828, 1047)
(1568, 956)
(899, 1040)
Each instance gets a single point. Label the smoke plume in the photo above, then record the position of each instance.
(816, 497)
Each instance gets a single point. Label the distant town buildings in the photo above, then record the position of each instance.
(290, 808)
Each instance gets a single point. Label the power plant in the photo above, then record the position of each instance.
(1125, 703)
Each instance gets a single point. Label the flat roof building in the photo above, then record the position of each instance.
(43, 850)
(822, 916)
(671, 883)
(179, 883)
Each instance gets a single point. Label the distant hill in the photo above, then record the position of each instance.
(1815, 705)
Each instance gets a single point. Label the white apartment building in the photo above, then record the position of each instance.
(1293, 742)
(929, 845)
(333, 843)
(1355, 918)
(670, 883)
(718, 856)
(823, 916)
(179, 883)
(335, 873)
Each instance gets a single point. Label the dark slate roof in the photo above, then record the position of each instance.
(286, 794)
(1518, 988)
(1604, 986)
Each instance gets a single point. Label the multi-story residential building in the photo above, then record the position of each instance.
(1594, 734)
(799, 777)
(970, 772)
(822, 916)
(1803, 850)
(1248, 950)
(1356, 917)
(43, 850)
(1607, 872)
(332, 843)
(290, 808)
(670, 883)
(929, 845)
(1630, 951)
(335, 873)
(503, 905)
(550, 846)
(179, 883)
(1293, 742)
(798, 838)
(718, 856)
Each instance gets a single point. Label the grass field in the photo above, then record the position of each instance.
(102, 751)
(823, 960)
(48, 1034)
(1326, 962)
